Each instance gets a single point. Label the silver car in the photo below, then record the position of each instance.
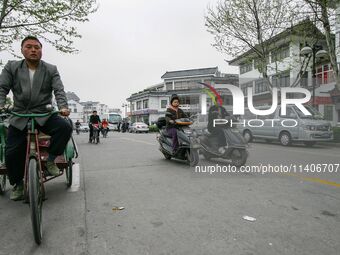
(139, 127)
(84, 127)
(292, 127)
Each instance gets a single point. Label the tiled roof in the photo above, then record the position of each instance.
(190, 73)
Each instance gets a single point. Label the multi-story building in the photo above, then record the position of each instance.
(151, 103)
(76, 111)
(90, 106)
(284, 68)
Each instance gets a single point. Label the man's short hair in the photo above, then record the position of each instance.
(94, 111)
(30, 37)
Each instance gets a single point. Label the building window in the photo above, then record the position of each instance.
(227, 100)
(281, 80)
(139, 105)
(324, 74)
(168, 86)
(328, 112)
(260, 86)
(187, 84)
(244, 87)
(338, 36)
(189, 100)
(145, 103)
(280, 54)
(247, 67)
(75, 110)
(164, 103)
(132, 107)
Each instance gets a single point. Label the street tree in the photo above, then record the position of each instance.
(54, 21)
(323, 11)
(240, 26)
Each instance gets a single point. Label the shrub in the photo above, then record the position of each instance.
(336, 132)
(153, 128)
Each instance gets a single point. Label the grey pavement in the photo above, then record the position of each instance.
(170, 209)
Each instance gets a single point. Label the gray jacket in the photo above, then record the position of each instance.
(15, 77)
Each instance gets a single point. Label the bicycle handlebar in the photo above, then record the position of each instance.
(33, 115)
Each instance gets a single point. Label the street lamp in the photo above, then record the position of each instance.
(125, 109)
(317, 53)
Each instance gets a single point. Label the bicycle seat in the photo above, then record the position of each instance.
(43, 136)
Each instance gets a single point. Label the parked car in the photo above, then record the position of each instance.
(308, 129)
(112, 127)
(138, 127)
(84, 127)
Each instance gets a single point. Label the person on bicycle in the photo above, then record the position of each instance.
(94, 119)
(77, 124)
(32, 82)
(105, 127)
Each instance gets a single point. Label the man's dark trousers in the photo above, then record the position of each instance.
(57, 127)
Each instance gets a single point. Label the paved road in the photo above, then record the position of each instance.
(170, 209)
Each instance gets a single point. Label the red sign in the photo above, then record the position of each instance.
(322, 100)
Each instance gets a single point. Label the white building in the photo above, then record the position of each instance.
(284, 66)
(76, 109)
(151, 103)
(90, 106)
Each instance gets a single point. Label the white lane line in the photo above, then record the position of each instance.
(138, 141)
(75, 179)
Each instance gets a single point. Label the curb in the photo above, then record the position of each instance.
(329, 144)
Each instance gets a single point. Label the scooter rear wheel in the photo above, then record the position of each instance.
(192, 157)
(166, 155)
(206, 155)
(239, 157)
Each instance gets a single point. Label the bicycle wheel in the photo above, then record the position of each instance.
(2, 184)
(69, 173)
(96, 138)
(35, 199)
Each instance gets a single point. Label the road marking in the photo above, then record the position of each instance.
(318, 153)
(137, 141)
(75, 179)
(318, 180)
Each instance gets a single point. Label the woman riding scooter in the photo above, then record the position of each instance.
(173, 112)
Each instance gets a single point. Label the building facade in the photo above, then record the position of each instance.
(151, 103)
(90, 106)
(76, 109)
(284, 69)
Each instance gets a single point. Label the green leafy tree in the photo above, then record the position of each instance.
(323, 11)
(52, 20)
(251, 26)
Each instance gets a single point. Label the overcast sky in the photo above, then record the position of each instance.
(129, 44)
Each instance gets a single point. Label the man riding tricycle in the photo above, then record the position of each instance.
(27, 159)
